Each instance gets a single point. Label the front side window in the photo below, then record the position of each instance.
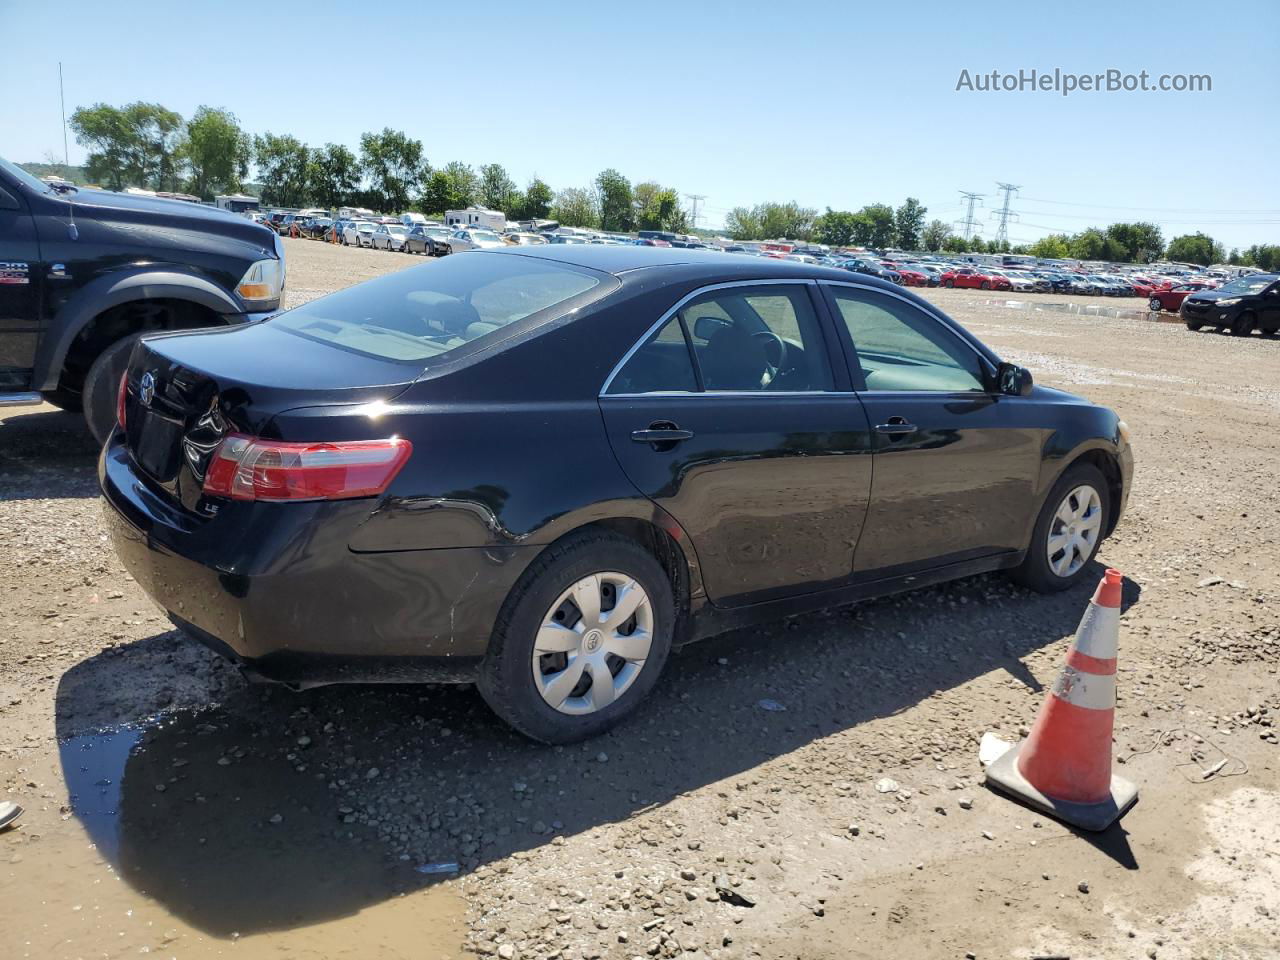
(901, 348)
(751, 338)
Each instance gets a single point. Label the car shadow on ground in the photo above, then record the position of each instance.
(268, 809)
(46, 454)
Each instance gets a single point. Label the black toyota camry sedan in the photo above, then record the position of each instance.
(537, 469)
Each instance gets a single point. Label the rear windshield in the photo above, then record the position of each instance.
(429, 312)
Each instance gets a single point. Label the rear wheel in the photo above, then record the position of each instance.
(102, 384)
(1068, 532)
(1154, 305)
(581, 640)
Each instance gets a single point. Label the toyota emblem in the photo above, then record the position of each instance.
(147, 389)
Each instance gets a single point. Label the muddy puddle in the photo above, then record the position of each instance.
(185, 838)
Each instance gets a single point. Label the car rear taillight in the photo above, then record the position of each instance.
(250, 468)
(120, 398)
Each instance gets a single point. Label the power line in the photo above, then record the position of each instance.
(1004, 213)
(1105, 206)
(968, 222)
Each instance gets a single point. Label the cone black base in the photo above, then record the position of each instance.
(1004, 776)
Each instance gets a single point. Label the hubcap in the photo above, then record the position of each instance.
(1074, 532)
(592, 643)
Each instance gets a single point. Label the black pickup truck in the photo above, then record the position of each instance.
(84, 273)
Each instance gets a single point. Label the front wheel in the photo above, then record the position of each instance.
(1242, 326)
(1154, 305)
(950, 284)
(1068, 531)
(986, 285)
(102, 385)
(581, 640)
(1194, 325)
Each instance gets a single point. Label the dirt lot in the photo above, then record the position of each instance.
(172, 809)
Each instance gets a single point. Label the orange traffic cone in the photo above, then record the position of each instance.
(1064, 766)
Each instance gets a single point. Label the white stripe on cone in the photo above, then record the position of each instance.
(1089, 690)
(1098, 631)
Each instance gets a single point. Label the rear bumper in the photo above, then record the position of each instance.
(282, 594)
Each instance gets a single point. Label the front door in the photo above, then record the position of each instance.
(955, 467)
(21, 282)
(731, 417)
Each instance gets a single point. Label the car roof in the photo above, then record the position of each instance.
(624, 259)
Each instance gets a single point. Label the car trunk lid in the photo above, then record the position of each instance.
(187, 391)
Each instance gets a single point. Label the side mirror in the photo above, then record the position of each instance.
(1014, 380)
(706, 327)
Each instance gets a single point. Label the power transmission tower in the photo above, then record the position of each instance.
(968, 222)
(695, 197)
(1004, 213)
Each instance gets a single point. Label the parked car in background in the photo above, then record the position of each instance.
(430, 240)
(473, 238)
(912, 277)
(389, 236)
(871, 269)
(1028, 283)
(1241, 306)
(999, 281)
(519, 239)
(359, 233)
(1172, 298)
(710, 405)
(966, 277)
(315, 228)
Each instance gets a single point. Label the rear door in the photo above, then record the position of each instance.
(955, 463)
(731, 416)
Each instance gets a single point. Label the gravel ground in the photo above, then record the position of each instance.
(804, 789)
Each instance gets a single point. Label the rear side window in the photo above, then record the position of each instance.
(743, 339)
(429, 313)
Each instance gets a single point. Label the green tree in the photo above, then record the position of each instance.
(876, 226)
(1193, 248)
(394, 165)
(908, 221)
(741, 223)
(935, 235)
(283, 166)
(1095, 244)
(1056, 246)
(955, 244)
(658, 208)
(497, 190)
(333, 174)
(1233, 257)
(536, 204)
(835, 228)
(453, 187)
(1140, 242)
(138, 144)
(1264, 256)
(616, 200)
(216, 152)
(575, 207)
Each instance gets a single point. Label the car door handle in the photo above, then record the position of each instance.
(661, 435)
(896, 427)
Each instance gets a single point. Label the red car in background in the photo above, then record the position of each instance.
(1000, 282)
(912, 278)
(1172, 298)
(966, 277)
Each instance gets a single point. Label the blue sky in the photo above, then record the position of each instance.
(836, 104)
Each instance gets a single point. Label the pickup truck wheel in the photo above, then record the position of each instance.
(101, 385)
(64, 400)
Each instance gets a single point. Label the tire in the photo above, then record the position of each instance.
(102, 384)
(1154, 305)
(1036, 572)
(1194, 325)
(506, 679)
(1242, 326)
(986, 285)
(950, 284)
(64, 400)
